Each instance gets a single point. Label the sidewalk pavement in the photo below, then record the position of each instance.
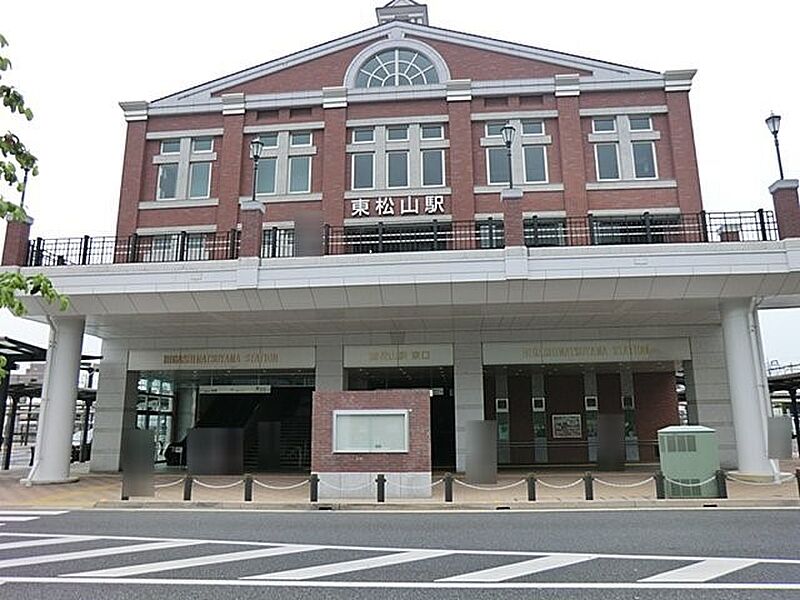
(629, 489)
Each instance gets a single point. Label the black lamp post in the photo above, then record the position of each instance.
(508, 133)
(256, 145)
(774, 124)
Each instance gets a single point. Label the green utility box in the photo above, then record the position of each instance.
(689, 455)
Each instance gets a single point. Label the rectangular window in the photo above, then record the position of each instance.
(363, 135)
(397, 133)
(535, 164)
(277, 243)
(644, 160)
(532, 128)
(604, 125)
(497, 160)
(167, 181)
(607, 161)
(363, 171)
(266, 176)
(432, 167)
(170, 147)
(299, 174)
(200, 180)
(397, 169)
(270, 140)
(432, 132)
(640, 123)
(495, 128)
(300, 138)
(370, 431)
(202, 144)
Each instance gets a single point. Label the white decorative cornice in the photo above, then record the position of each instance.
(135, 110)
(783, 184)
(252, 205)
(334, 97)
(568, 84)
(459, 90)
(679, 81)
(233, 104)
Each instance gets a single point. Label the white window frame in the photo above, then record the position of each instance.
(158, 181)
(161, 147)
(422, 131)
(653, 152)
(394, 128)
(274, 179)
(422, 167)
(192, 165)
(540, 121)
(408, 170)
(648, 117)
(490, 123)
(291, 160)
(525, 163)
(294, 133)
(596, 119)
(597, 162)
(209, 138)
(357, 129)
(488, 166)
(274, 135)
(369, 413)
(353, 171)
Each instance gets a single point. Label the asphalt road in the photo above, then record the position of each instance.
(708, 553)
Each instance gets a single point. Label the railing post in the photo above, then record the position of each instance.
(448, 487)
(381, 481)
(762, 222)
(182, 246)
(531, 487)
(187, 488)
(38, 253)
(133, 248)
(380, 236)
(85, 244)
(722, 484)
(660, 489)
(588, 486)
(703, 226)
(232, 246)
(435, 234)
(535, 227)
(248, 488)
(648, 231)
(313, 488)
(590, 225)
(326, 238)
(274, 243)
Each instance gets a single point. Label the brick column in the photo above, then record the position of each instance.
(459, 110)
(334, 167)
(252, 216)
(570, 139)
(511, 199)
(132, 167)
(684, 157)
(15, 250)
(230, 164)
(787, 207)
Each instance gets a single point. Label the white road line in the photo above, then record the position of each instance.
(46, 542)
(351, 566)
(521, 569)
(49, 558)
(37, 513)
(197, 561)
(16, 519)
(702, 571)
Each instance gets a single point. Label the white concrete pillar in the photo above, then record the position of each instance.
(744, 383)
(468, 376)
(59, 393)
(329, 372)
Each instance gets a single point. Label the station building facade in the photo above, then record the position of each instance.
(517, 230)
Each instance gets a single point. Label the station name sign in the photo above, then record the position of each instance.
(228, 358)
(398, 206)
(594, 351)
(400, 355)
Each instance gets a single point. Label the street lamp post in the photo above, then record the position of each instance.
(508, 138)
(774, 124)
(256, 145)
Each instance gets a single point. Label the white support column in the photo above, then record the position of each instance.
(468, 376)
(57, 412)
(329, 367)
(744, 382)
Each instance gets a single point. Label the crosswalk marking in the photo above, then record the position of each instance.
(351, 566)
(46, 542)
(521, 569)
(49, 558)
(703, 571)
(16, 518)
(34, 513)
(197, 561)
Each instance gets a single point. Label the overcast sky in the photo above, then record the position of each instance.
(75, 60)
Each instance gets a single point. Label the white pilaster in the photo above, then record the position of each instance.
(329, 373)
(468, 375)
(746, 390)
(57, 413)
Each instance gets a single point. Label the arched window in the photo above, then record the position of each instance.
(399, 66)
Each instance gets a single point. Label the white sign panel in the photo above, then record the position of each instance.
(227, 358)
(591, 351)
(399, 355)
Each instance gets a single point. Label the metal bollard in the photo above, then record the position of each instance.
(588, 486)
(187, 488)
(248, 488)
(381, 481)
(797, 476)
(722, 484)
(313, 488)
(661, 491)
(531, 488)
(448, 487)
(33, 452)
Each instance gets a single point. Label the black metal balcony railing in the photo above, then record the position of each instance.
(414, 237)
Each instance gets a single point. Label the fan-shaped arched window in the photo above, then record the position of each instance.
(395, 67)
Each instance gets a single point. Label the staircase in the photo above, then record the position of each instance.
(296, 444)
(251, 456)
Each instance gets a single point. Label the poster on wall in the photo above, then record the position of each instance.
(567, 426)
